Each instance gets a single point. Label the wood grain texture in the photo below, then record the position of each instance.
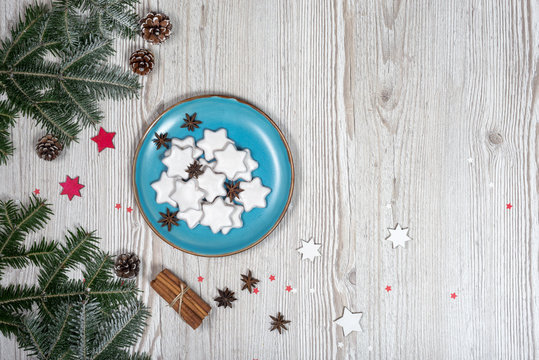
(381, 102)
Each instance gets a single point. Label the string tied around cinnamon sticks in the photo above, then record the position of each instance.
(183, 290)
(181, 298)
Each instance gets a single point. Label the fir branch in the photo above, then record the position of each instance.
(18, 222)
(63, 97)
(78, 249)
(124, 330)
(26, 28)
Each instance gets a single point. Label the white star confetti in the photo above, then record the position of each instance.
(349, 321)
(398, 236)
(309, 250)
(340, 345)
(470, 160)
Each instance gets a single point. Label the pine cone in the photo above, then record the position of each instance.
(141, 62)
(127, 265)
(155, 28)
(48, 147)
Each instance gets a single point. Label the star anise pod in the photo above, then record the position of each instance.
(225, 298)
(279, 323)
(249, 281)
(233, 189)
(161, 140)
(194, 170)
(168, 219)
(190, 122)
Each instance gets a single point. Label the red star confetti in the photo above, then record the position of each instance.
(36, 191)
(71, 187)
(118, 206)
(388, 288)
(200, 279)
(288, 288)
(272, 277)
(129, 209)
(256, 291)
(104, 140)
(453, 296)
(508, 206)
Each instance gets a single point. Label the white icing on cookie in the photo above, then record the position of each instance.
(187, 195)
(187, 141)
(178, 160)
(251, 165)
(253, 194)
(163, 188)
(235, 217)
(212, 184)
(191, 217)
(213, 141)
(217, 215)
(230, 161)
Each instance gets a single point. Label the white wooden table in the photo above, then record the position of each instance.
(422, 114)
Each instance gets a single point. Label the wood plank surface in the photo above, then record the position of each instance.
(422, 113)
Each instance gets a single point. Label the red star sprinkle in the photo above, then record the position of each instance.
(129, 209)
(104, 140)
(453, 296)
(200, 279)
(508, 206)
(36, 191)
(71, 187)
(256, 290)
(272, 277)
(388, 288)
(288, 288)
(118, 206)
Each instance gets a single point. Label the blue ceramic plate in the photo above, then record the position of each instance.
(249, 128)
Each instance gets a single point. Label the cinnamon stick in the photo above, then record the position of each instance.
(185, 312)
(193, 309)
(190, 294)
(186, 298)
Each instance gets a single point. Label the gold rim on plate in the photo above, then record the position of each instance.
(289, 159)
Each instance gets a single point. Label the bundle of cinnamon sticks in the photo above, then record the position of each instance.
(190, 306)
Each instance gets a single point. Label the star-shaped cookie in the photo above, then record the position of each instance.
(163, 188)
(217, 215)
(251, 165)
(213, 141)
(187, 195)
(178, 160)
(188, 141)
(253, 194)
(191, 217)
(230, 161)
(235, 217)
(212, 184)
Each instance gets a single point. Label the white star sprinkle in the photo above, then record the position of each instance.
(340, 345)
(349, 321)
(398, 236)
(309, 250)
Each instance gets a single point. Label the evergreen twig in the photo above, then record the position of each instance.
(98, 317)
(62, 95)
